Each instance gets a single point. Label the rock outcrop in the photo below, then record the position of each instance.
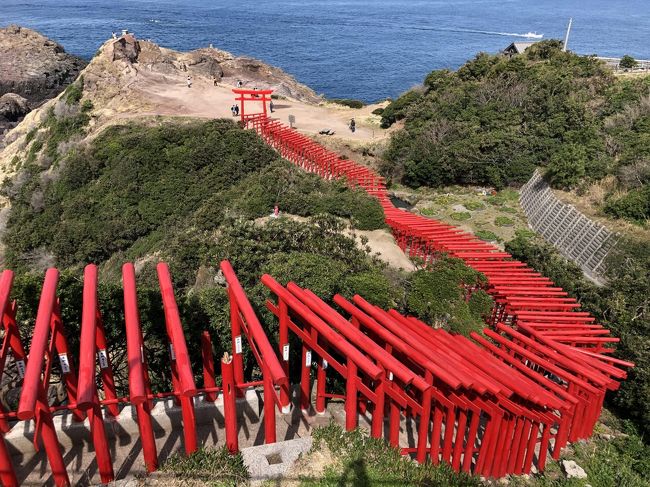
(12, 108)
(33, 67)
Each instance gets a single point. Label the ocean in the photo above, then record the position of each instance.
(368, 50)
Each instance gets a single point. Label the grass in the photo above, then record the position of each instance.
(359, 460)
(461, 215)
(503, 221)
(30, 135)
(487, 235)
(474, 205)
(209, 466)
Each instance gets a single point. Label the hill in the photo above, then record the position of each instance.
(498, 118)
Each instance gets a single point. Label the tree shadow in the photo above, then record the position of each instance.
(355, 475)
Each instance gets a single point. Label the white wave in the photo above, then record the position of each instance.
(528, 35)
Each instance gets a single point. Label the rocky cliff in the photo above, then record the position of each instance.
(33, 68)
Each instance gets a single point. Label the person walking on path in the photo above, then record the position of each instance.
(271, 106)
(189, 81)
(215, 81)
(353, 125)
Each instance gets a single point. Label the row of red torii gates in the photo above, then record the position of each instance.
(491, 404)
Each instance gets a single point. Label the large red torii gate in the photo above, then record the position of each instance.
(252, 95)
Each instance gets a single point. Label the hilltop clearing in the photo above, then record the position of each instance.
(131, 78)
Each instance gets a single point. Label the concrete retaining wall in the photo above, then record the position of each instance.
(578, 238)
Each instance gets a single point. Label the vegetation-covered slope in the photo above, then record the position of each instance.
(191, 194)
(497, 118)
(623, 306)
(136, 183)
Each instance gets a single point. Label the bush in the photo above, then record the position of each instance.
(372, 286)
(634, 206)
(378, 111)
(628, 62)
(461, 215)
(396, 110)
(474, 205)
(435, 296)
(503, 221)
(348, 102)
(30, 135)
(87, 106)
(486, 235)
(74, 92)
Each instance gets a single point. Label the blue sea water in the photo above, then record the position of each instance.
(365, 49)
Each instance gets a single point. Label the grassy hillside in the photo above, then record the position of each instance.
(497, 118)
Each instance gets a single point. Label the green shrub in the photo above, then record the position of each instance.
(378, 111)
(628, 62)
(30, 135)
(633, 206)
(474, 205)
(87, 106)
(429, 211)
(319, 273)
(34, 149)
(74, 92)
(62, 129)
(396, 110)
(507, 209)
(348, 102)
(435, 295)
(461, 215)
(486, 235)
(503, 221)
(372, 286)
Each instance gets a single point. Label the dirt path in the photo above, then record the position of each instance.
(171, 96)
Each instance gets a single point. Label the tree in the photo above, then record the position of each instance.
(628, 62)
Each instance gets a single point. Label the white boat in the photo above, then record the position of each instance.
(532, 35)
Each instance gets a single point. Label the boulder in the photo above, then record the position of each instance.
(126, 48)
(573, 470)
(13, 107)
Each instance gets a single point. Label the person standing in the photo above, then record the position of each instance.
(189, 81)
(215, 81)
(353, 125)
(271, 106)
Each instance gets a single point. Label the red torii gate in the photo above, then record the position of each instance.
(252, 95)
